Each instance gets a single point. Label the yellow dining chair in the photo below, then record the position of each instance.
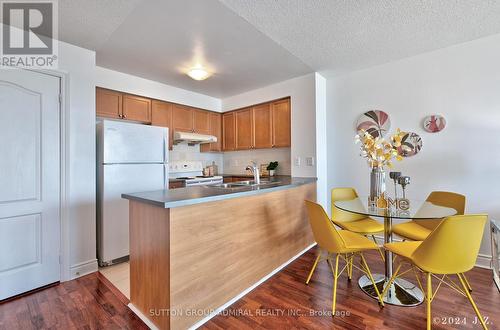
(356, 223)
(451, 249)
(418, 230)
(341, 243)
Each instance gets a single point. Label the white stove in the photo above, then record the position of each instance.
(201, 180)
(191, 172)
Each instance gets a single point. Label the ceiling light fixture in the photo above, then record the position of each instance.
(198, 73)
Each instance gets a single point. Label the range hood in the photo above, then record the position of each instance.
(193, 138)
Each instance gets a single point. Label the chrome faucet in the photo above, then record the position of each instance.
(255, 171)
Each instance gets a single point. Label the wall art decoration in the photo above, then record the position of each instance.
(434, 123)
(411, 144)
(375, 122)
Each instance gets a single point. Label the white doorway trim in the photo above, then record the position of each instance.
(64, 125)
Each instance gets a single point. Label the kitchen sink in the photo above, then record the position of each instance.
(252, 183)
(242, 184)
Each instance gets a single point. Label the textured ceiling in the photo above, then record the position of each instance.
(89, 23)
(337, 36)
(161, 39)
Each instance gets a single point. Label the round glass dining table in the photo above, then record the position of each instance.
(401, 292)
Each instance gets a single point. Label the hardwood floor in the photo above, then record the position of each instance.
(84, 303)
(284, 302)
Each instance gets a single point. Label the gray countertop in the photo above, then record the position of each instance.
(202, 194)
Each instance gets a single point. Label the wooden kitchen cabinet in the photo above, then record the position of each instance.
(201, 121)
(244, 129)
(113, 104)
(136, 108)
(187, 119)
(108, 103)
(281, 118)
(182, 118)
(161, 115)
(215, 130)
(228, 132)
(262, 126)
(176, 184)
(177, 117)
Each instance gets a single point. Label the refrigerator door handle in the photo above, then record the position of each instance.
(165, 159)
(165, 176)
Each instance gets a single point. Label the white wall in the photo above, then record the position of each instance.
(460, 82)
(321, 141)
(302, 93)
(135, 85)
(79, 250)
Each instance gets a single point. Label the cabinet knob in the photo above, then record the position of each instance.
(124, 116)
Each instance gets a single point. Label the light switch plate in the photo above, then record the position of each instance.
(296, 161)
(310, 161)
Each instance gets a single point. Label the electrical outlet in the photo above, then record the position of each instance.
(310, 161)
(297, 161)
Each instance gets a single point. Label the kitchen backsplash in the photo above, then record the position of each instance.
(235, 162)
(183, 151)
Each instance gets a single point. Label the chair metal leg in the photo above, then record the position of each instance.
(313, 267)
(467, 282)
(379, 249)
(474, 306)
(335, 277)
(428, 300)
(350, 260)
(391, 280)
(369, 273)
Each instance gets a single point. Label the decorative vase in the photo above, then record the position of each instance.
(271, 172)
(377, 182)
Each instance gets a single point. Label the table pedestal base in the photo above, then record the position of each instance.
(401, 293)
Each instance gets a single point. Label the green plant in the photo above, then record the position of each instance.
(272, 166)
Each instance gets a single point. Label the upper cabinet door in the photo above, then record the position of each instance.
(182, 118)
(244, 136)
(281, 114)
(161, 115)
(201, 121)
(215, 130)
(108, 103)
(136, 108)
(262, 126)
(228, 132)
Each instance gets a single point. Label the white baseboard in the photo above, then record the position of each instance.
(142, 317)
(242, 294)
(482, 261)
(83, 268)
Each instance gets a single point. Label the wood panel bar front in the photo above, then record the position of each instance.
(187, 261)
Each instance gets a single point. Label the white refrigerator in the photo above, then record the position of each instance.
(130, 158)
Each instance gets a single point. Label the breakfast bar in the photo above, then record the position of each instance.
(193, 250)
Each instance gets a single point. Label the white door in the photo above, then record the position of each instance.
(118, 179)
(29, 181)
